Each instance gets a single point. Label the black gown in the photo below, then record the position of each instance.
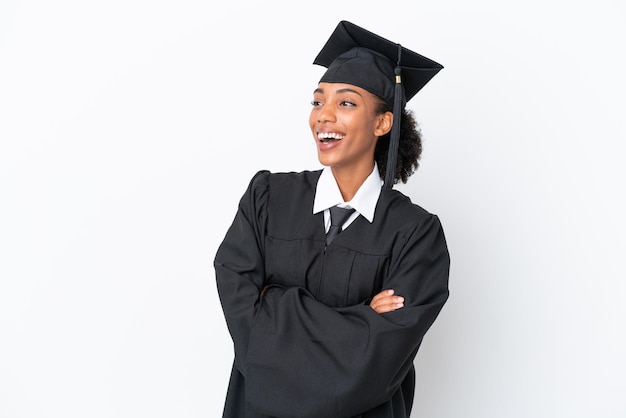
(311, 347)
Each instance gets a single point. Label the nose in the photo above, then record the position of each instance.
(325, 114)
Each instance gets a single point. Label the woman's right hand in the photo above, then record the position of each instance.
(386, 301)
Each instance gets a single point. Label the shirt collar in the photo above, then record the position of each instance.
(327, 194)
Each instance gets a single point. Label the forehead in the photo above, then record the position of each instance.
(328, 89)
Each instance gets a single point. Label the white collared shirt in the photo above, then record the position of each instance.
(327, 194)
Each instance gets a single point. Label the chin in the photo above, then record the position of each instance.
(327, 162)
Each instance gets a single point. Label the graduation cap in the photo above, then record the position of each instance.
(356, 56)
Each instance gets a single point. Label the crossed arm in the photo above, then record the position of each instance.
(385, 301)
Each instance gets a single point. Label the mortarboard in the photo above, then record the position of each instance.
(356, 56)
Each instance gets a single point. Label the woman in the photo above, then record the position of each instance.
(328, 326)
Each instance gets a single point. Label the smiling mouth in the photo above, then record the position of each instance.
(327, 137)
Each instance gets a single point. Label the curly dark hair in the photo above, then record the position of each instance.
(409, 148)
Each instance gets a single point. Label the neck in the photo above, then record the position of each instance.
(350, 180)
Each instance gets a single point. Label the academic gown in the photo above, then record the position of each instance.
(311, 346)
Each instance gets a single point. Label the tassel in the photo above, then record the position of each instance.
(394, 137)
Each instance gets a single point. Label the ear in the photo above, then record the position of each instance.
(384, 124)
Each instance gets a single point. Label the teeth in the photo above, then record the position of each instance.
(329, 136)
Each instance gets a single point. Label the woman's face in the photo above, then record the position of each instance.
(345, 126)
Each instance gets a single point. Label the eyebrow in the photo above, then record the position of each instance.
(344, 90)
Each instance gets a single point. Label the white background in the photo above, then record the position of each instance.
(129, 130)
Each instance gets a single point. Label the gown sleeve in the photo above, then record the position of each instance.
(239, 267)
(306, 359)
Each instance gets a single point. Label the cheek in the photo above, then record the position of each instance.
(312, 119)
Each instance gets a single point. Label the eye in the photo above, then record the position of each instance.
(347, 103)
(315, 103)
